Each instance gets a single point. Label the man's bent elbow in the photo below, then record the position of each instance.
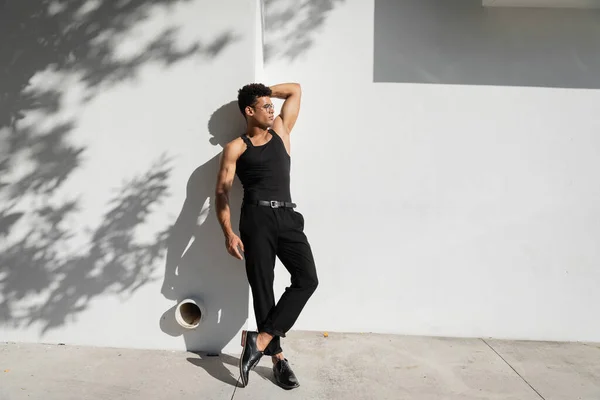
(294, 88)
(298, 88)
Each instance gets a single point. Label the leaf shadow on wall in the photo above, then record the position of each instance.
(111, 262)
(290, 26)
(197, 263)
(43, 281)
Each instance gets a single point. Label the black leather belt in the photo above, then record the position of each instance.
(271, 203)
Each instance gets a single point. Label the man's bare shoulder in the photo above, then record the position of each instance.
(235, 148)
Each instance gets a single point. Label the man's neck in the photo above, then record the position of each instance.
(256, 131)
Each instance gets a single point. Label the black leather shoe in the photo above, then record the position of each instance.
(250, 355)
(284, 376)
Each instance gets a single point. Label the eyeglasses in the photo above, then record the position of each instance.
(267, 106)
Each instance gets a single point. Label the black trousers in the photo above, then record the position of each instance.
(266, 233)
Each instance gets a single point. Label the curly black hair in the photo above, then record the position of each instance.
(248, 95)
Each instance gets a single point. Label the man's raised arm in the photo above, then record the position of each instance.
(292, 94)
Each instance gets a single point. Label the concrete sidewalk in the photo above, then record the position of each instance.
(341, 366)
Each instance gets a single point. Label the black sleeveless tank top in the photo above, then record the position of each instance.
(264, 171)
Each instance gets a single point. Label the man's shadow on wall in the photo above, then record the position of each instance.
(198, 264)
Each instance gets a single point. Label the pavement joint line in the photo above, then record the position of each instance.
(593, 345)
(511, 367)
(235, 389)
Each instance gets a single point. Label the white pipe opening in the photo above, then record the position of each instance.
(190, 312)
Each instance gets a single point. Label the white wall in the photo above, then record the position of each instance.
(439, 209)
(131, 92)
(462, 210)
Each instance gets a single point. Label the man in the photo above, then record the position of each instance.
(269, 225)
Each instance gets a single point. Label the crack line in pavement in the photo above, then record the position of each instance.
(511, 367)
(236, 386)
(593, 345)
